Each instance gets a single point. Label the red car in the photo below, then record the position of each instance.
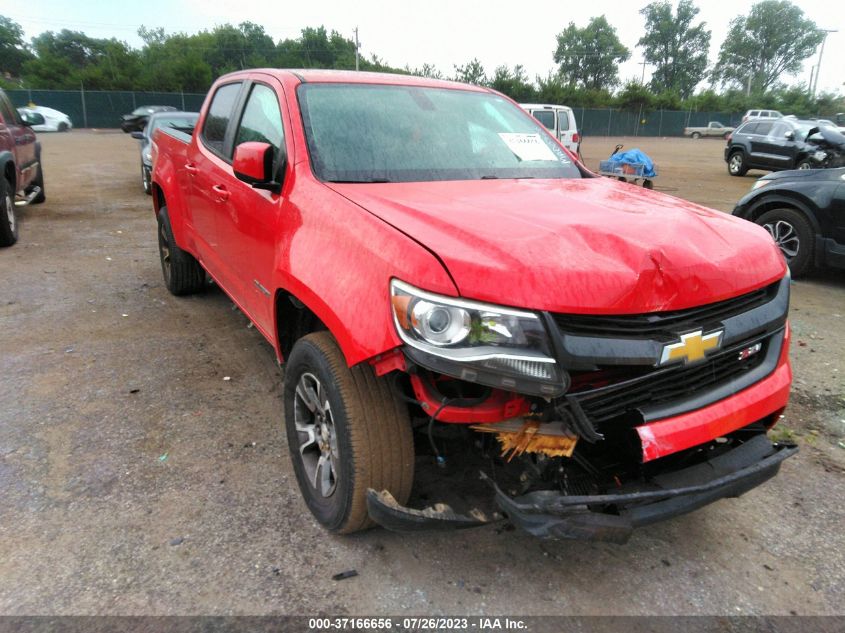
(21, 173)
(456, 298)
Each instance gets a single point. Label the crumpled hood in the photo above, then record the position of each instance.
(581, 246)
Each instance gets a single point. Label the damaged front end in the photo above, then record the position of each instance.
(586, 427)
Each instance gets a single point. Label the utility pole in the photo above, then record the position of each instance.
(821, 52)
(356, 49)
(643, 64)
(810, 85)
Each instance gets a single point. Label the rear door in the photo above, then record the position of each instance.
(757, 141)
(546, 116)
(209, 166)
(566, 125)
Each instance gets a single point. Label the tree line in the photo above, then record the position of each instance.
(770, 42)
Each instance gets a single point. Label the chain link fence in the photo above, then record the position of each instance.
(103, 109)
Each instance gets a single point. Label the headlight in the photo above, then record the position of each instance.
(148, 156)
(761, 182)
(478, 342)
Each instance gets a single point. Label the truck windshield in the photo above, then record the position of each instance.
(382, 133)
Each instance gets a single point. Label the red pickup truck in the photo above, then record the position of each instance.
(21, 175)
(456, 298)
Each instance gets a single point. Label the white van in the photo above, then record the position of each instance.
(560, 121)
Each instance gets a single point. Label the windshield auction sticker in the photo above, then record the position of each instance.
(527, 146)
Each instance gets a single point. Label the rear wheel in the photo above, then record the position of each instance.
(793, 235)
(736, 164)
(183, 274)
(8, 219)
(804, 164)
(696, 135)
(347, 432)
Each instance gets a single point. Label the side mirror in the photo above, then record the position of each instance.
(253, 164)
(138, 135)
(790, 136)
(32, 118)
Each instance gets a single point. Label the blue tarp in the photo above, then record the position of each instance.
(634, 156)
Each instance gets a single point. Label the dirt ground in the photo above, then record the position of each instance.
(137, 479)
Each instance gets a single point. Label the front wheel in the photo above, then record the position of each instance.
(794, 237)
(736, 164)
(8, 219)
(145, 180)
(347, 432)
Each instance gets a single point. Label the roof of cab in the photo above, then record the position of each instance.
(318, 75)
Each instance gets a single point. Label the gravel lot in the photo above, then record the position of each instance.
(136, 479)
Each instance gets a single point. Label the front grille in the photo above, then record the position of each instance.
(655, 324)
(665, 385)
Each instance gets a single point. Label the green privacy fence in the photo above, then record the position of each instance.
(610, 122)
(102, 109)
(94, 108)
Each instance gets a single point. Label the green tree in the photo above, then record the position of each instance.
(770, 42)
(471, 73)
(635, 96)
(13, 50)
(589, 57)
(676, 47)
(514, 83)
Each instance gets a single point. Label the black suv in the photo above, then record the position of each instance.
(804, 211)
(136, 120)
(770, 145)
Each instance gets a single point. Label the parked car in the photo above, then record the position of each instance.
(136, 120)
(560, 121)
(761, 114)
(770, 145)
(183, 121)
(714, 128)
(804, 211)
(54, 121)
(426, 259)
(21, 171)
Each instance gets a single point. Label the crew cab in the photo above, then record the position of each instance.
(456, 298)
(21, 174)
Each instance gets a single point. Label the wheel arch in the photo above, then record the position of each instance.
(8, 170)
(780, 201)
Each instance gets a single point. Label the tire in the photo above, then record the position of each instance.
(183, 274)
(39, 182)
(696, 135)
(804, 164)
(369, 445)
(63, 127)
(736, 164)
(145, 180)
(8, 217)
(793, 235)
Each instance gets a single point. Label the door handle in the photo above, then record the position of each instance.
(222, 193)
(191, 169)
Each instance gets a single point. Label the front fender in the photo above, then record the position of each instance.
(338, 259)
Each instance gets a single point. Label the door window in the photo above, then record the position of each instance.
(779, 131)
(763, 128)
(546, 117)
(262, 120)
(563, 120)
(217, 120)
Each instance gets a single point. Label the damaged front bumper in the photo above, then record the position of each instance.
(608, 517)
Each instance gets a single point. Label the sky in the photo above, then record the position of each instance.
(439, 32)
